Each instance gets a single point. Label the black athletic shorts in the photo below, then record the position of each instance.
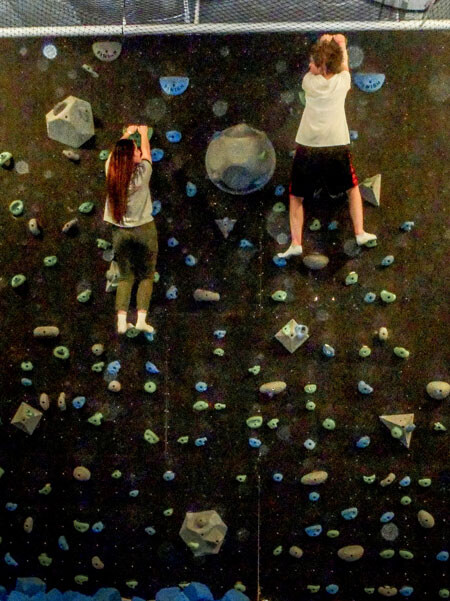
(327, 168)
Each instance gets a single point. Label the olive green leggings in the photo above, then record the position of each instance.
(136, 251)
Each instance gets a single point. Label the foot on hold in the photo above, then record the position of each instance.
(293, 251)
(364, 238)
(142, 325)
(121, 323)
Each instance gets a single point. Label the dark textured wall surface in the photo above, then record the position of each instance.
(403, 134)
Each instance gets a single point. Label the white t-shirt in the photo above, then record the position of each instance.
(139, 205)
(323, 122)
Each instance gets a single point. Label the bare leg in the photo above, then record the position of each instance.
(296, 220)
(357, 216)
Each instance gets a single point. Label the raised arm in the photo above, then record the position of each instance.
(131, 129)
(145, 142)
(340, 39)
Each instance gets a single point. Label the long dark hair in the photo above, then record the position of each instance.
(328, 55)
(120, 171)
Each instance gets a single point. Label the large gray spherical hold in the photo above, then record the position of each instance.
(315, 261)
(240, 159)
(389, 531)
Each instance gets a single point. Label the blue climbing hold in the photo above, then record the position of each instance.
(191, 189)
(150, 530)
(200, 442)
(279, 261)
(113, 368)
(171, 593)
(407, 226)
(314, 530)
(387, 517)
(151, 368)
(11, 506)
(370, 297)
(332, 589)
(234, 595)
(79, 402)
(277, 477)
(190, 260)
(350, 513)
(169, 476)
(220, 334)
(10, 561)
(157, 154)
(369, 82)
(133, 493)
(173, 136)
(30, 586)
(63, 544)
(309, 444)
(363, 442)
(328, 350)
(406, 591)
(103, 594)
(254, 442)
(314, 496)
(174, 86)
(333, 225)
(198, 592)
(442, 556)
(172, 293)
(98, 527)
(364, 388)
(172, 242)
(244, 243)
(387, 260)
(26, 382)
(406, 481)
(353, 135)
(156, 207)
(149, 336)
(201, 386)
(279, 190)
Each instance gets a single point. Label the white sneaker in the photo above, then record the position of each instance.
(294, 250)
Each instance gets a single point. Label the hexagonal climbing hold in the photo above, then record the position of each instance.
(203, 532)
(70, 122)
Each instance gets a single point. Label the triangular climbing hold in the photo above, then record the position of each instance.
(370, 189)
(225, 225)
(403, 422)
(292, 335)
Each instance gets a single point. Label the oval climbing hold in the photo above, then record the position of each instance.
(369, 82)
(173, 136)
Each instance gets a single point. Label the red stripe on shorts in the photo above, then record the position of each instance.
(352, 170)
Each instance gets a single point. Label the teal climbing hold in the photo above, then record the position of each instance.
(18, 280)
(16, 208)
(174, 86)
(61, 352)
(369, 82)
(387, 260)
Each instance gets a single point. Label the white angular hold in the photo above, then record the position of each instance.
(313, 478)
(271, 388)
(206, 295)
(402, 421)
(370, 190)
(203, 532)
(225, 225)
(107, 51)
(438, 390)
(26, 418)
(71, 122)
(292, 335)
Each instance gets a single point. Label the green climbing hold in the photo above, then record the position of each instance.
(103, 155)
(132, 583)
(352, 278)
(103, 244)
(387, 297)
(255, 421)
(369, 590)
(116, 474)
(279, 296)
(329, 424)
(16, 208)
(132, 332)
(310, 388)
(84, 296)
(5, 158)
(219, 352)
(61, 352)
(46, 490)
(150, 386)
(333, 533)
(396, 432)
(2, 471)
(313, 588)
(168, 512)
(26, 366)
(273, 423)
(156, 277)
(438, 427)
(369, 479)
(86, 207)
(241, 478)
(219, 406)
(364, 351)
(406, 500)
(279, 207)
(444, 593)
(387, 553)
(200, 406)
(80, 526)
(424, 482)
(405, 554)
(96, 419)
(401, 352)
(44, 560)
(81, 578)
(310, 405)
(371, 243)
(183, 439)
(278, 550)
(18, 280)
(50, 261)
(151, 437)
(315, 225)
(98, 367)
(240, 587)
(255, 369)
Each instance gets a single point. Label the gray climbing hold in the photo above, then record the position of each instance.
(389, 532)
(202, 295)
(203, 532)
(315, 261)
(71, 122)
(370, 190)
(438, 390)
(400, 426)
(106, 50)
(225, 225)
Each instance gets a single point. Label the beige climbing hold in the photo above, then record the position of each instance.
(62, 401)
(388, 480)
(426, 520)
(46, 332)
(402, 421)
(318, 477)
(370, 190)
(383, 333)
(206, 295)
(97, 563)
(115, 386)
(44, 401)
(69, 225)
(351, 552)
(387, 591)
(295, 552)
(28, 525)
(81, 473)
(438, 390)
(98, 349)
(272, 388)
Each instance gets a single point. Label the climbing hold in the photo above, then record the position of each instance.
(96, 419)
(405, 481)
(279, 207)
(133, 493)
(333, 533)
(272, 388)
(328, 350)
(389, 531)
(406, 591)
(387, 517)
(172, 293)
(11, 506)
(98, 527)
(309, 444)
(387, 553)
(78, 402)
(313, 478)
(44, 401)
(115, 386)
(150, 386)
(151, 368)
(370, 190)
(255, 369)
(201, 386)
(116, 474)
(369, 479)
(172, 242)
(16, 208)
(333, 225)
(310, 405)
(10, 561)
(407, 226)
(438, 390)
(97, 349)
(26, 366)
(351, 278)
(279, 190)
(296, 552)
(363, 442)
(277, 477)
(400, 426)
(173, 136)
(426, 520)
(69, 225)
(45, 560)
(150, 530)
(329, 424)
(190, 260)
(369, 590)
(151, 437)
(18, 280)
(438, 427)
(103, 244)
(46, 332)
(442, 556)
(33, 227)
(387, 297)
(255, 421)
(225, 225)
(200, 406)
(241, 478)
(81, 473)
(313, 588)
(292, 335)
(383, 334)
(103, 155)
(315, 261)
(387, 591)
(157, 154)
(388, 480)
(63, 544)
(279, 261)
(106, 50)
(279, 296)
(424, 482)
(6, 159)
(183, 439)
(81, 579)
(315, 225)
(401, 352)
(314, 496)
(97, 563)
(174, 86)
(314, 530)
(244, 243)
(405, 554)
(273, 423)
(191, 189)
(370, 297)
(349, 513)
(332, 589)
(310, 388)
(351, 553)
(28, 525)
(80, 526)
(369, 82)
(387, 260)
(26, 418)
(364, 388)
(50, 261)
(206, 295)
(364, 351)
(219, 406)
(254, 442)
(405, 500)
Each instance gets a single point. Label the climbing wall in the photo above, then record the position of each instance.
(119, 437)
